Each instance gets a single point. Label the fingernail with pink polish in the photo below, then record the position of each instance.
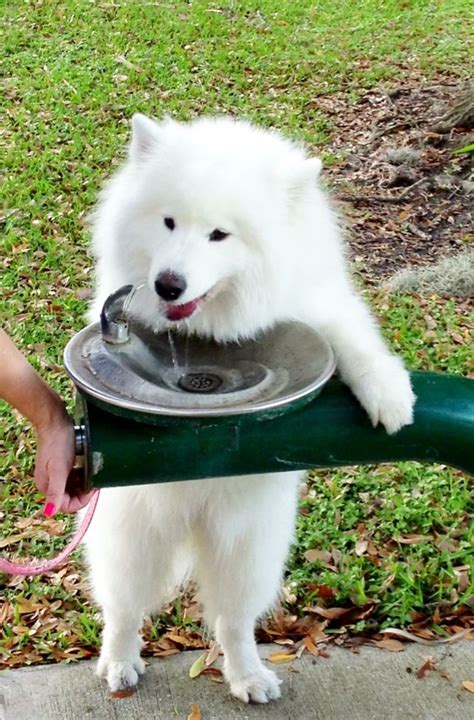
(49, 509)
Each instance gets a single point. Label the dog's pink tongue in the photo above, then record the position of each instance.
(179, 312)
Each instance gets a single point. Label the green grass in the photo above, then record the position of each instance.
(386, 506)
(75, 73)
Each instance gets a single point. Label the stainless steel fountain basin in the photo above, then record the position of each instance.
(171, 374)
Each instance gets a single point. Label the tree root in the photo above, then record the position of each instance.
(394, 199)
(460, 114)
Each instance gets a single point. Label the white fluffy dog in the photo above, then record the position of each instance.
(230, 229)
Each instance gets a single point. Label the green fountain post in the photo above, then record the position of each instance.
(123, 448)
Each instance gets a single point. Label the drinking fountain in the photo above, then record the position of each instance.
(168, 406)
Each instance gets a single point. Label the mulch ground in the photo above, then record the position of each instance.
(407, 197)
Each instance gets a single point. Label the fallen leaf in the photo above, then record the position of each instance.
(468, 685)
(387, 582)
(372, 549)
(25, 606)
(120, 694)
(390, 644)
(430, 322)
(325, 592)
(411, 539)
(284, 641)
(427, 665)
(361, 547)
(318, 556)
(195, 713)
(4, 612)
(422, 641)
(214, 674)
(198, 666)
(300, 650)
(131, 66)
(14, 539)
(167, 653)
(463, 579)
(212, 671)
(193, 612)
(84, 293)
(217, 678)
(23, 523)
(329, 613)
(281, 657)
(179, 639)
(213, 654)
(310, 646)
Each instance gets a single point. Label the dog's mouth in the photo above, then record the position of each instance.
(181, 312)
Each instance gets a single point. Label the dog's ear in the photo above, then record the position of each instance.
(145, 137)
(313, 167)
(305, 175)
(309, 171)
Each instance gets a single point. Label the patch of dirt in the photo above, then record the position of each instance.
(406, 196)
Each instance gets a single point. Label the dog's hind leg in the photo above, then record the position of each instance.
(239, 563)
(131, 591)
(128, 575)
(120, 662)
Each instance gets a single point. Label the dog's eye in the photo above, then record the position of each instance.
(170, 223)
(217, 235)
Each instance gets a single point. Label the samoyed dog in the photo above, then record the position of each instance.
(229, 228)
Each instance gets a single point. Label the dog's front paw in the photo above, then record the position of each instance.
(259, 687)
(385, 392)
(120, 674)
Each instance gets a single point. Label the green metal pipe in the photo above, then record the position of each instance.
(330, 431)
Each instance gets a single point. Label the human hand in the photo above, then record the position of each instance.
(24, 389)
(54, 462)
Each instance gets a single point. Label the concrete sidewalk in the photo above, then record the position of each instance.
(370, 685)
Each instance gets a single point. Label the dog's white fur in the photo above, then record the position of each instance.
(283, 260)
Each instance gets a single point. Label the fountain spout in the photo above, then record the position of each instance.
(113, 320)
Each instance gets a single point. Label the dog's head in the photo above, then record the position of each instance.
(205, 208)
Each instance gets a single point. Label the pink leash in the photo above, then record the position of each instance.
(46, 565)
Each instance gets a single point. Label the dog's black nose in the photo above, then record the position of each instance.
(170, 286)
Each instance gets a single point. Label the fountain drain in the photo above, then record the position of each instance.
(200, 382)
